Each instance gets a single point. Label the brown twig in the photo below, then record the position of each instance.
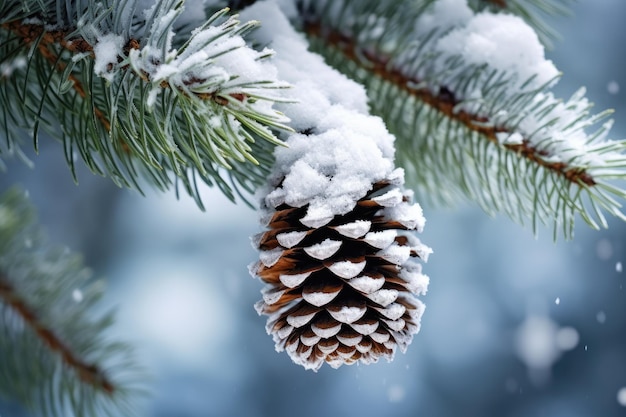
(31, 32)
(444, 102)
(88, 373)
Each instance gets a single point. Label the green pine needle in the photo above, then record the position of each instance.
(134, 121)
(456, 148)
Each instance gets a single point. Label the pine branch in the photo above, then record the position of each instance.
(470, 127)
(54, 357)
(117, 93)
(89, 373)
(446, 103)
(46, 41)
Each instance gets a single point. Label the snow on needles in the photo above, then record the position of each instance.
(344, 150)
(214, 59)
(107, 51)
(495, 66)
(506, 43)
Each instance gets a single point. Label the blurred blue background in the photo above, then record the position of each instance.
(514, 326)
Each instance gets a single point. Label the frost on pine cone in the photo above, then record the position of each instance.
(341, 287)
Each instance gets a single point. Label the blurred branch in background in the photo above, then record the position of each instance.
(48, 317)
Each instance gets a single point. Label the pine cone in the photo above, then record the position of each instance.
(341, 287)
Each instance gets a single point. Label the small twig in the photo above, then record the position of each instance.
(30, 33)
(444, 102)
(88, 373)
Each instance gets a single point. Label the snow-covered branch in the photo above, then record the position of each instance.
(171, 105)
(467, 95)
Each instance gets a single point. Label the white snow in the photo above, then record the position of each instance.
(303, 183)
(299, 320)
(390, 198)
(409, 215)
(507, 138)
(417, 282)
(495, 46)
(292, 281)
(397, 254)
(327, 332)
(422, 250)
(270, 257)
(381, 239)
(316, 85)
(380, 336)
(320, 298)
(324, 249)
(504, 42)
(366, 284)
(331, 182)
(347, 314)
(355, 229)
(271, 296)
(335, 108)
(317, 215)
(290, 239)
(214, 58)
(311, 340)
(292, 348)
(395, 325)
(384, 297)
(107, 50)
(601, 317)
(618, 267)
(365, 328)
(393, 311)
(507, 45)
(347, 269)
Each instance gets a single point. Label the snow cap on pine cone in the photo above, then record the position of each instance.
(339, 256)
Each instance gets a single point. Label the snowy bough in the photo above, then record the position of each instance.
(454, 95)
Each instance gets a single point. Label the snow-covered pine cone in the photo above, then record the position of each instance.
(341, 288)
